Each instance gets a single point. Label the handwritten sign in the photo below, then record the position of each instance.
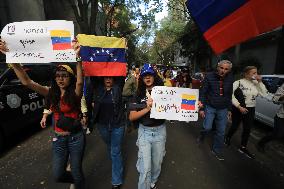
(173, 103)
(39, 41)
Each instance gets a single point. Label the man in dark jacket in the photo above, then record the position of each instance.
(216, 100)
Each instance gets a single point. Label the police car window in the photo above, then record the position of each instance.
(281, 81)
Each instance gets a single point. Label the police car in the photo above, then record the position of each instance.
(20, 106)
(265, 109)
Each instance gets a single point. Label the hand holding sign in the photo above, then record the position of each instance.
(3, 47)
(174, 103)
(38, 42)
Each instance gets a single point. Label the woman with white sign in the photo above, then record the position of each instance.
(151, 133)
(63, 98)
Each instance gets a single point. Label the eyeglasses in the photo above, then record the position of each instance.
(64, 76)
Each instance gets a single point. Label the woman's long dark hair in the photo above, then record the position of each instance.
(70, 97)
(141, 90)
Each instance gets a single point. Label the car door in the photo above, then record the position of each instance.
(20, 106)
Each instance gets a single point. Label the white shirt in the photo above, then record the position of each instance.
(251, 89)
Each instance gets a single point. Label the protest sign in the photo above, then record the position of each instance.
(39, 41)
(173, 103)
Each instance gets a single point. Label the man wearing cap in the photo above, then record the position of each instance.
(216, 103)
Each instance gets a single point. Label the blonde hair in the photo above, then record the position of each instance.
(248, 68)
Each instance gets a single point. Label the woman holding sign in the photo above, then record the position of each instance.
(63, 99)
(151, 133)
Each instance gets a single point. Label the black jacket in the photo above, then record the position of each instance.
(118, 119)
(210, 91)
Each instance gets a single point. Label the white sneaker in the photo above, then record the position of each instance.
(88, 131)
(72, 186)
(68, 168)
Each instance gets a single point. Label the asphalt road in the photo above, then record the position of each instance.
(27, 165)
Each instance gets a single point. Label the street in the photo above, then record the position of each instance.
(27, 165)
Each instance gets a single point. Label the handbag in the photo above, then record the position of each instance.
(239, 95)
(68, 123)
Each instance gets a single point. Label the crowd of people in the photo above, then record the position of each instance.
(114, 104)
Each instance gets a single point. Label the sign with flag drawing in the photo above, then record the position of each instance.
(173, 103)
(225, 23)
(102, 56)
(39, 41)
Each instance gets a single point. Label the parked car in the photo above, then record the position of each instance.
(265, 109)
(20, 106)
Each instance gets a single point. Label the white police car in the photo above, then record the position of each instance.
(265, 109)
(20, 106)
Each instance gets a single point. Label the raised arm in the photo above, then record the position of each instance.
(79, 70)
(23, 76)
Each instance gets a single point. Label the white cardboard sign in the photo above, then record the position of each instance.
(39, 41)
(173, 103)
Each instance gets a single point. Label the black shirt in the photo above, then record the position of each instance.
(139, 103)
(106, 111)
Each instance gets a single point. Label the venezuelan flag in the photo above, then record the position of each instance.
(188, 102)
(61, 39)
(102, 56)
(225, 23)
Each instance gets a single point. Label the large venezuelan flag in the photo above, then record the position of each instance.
(188, 102)
(225, 23)
(102, 56)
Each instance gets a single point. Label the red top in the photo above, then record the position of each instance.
(68, 112)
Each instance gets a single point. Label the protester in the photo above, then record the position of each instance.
(251, 86)
(63, 99)
(159, 74)
(129, 90)
(278, 129)
(167, 78)
(184, 80)
(157, 71)
(151, 133)
(109, 118)
(216, 100)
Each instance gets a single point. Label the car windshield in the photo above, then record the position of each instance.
(272, 83)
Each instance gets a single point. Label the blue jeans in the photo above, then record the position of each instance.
(221, 118)
(65, 147)
(151, 143)
(113, 138)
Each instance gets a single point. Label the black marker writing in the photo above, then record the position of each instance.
(28, 55)
(27, 41)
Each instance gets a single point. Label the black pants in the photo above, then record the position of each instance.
(247, 120)
(277, 133)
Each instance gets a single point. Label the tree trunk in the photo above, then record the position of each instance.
(94, 13)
